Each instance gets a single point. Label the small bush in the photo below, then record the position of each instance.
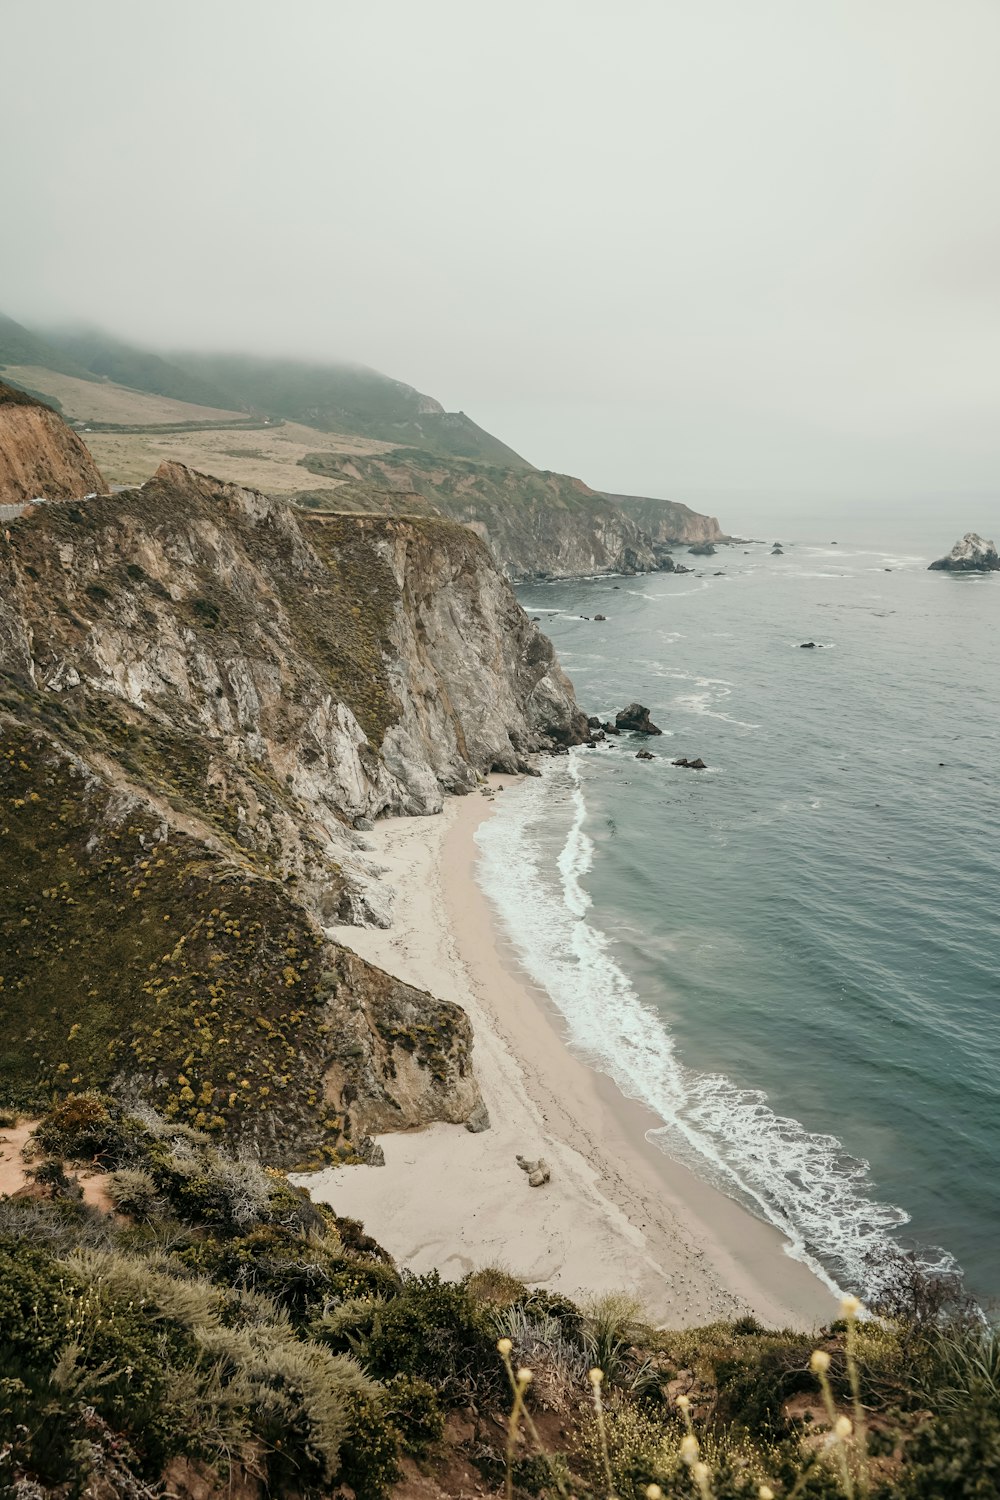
(495, 1286)
(79, 1128)
(434, 1330)
(369, 1454)
(414, 1410)
(133, 1192)
(956, 1456)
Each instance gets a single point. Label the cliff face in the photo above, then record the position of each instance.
(536, 523)
(667, 521)
(39, 454)
(202, 691)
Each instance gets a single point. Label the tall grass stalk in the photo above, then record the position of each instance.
(851, 1307)
(596, 1378)
(519, 1382)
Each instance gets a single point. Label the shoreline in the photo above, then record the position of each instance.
(617, 1214)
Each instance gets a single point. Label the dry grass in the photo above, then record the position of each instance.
(261, 458)
(103, 401)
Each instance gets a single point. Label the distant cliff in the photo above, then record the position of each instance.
(39, 454)
(535, 522)
(668, 521)
(201, 692)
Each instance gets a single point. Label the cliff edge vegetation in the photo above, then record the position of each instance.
(174, 1320)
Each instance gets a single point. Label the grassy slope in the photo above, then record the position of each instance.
(349, 398)
(138, 369)
(223, 1325)
(18, 346)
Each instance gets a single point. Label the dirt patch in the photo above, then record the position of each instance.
(13, 1172)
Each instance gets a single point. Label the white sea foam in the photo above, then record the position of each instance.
(805, 1184)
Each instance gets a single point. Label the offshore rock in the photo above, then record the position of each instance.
(973, 554)
(635, 720)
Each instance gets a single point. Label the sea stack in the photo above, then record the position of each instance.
(973, 554)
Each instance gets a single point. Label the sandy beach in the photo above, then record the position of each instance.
(617, 1214)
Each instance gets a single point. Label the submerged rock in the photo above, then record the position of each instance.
(973, 554)
(635, 719)
(808, 646)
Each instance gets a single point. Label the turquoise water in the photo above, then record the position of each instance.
(794, 956)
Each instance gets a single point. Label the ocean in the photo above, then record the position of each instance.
(792, 957)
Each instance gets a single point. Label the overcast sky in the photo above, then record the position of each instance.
(681, 247)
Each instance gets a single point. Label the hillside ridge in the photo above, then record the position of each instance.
(538, 523)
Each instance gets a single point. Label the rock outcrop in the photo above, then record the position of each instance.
(204, 695)
(635, 720)
(973, 554)
(39, 455)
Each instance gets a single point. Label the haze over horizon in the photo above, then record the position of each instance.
(709, 253)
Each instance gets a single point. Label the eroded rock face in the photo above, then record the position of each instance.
(973, 554)
(204, 697)
(40, 455)
(280, 677)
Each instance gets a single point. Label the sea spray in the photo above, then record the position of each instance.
(806, 1184)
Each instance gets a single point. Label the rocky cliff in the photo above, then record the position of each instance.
(202, 691)
(668, 521)
(535, 522)
(39, 454)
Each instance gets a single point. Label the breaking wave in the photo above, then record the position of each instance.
(805, 1184)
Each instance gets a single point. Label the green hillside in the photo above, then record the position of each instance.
(102, 357)
(19, 346)
(347, 398)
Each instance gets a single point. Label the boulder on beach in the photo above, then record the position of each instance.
(973, 554)
(635, 720)
(538, 1171)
